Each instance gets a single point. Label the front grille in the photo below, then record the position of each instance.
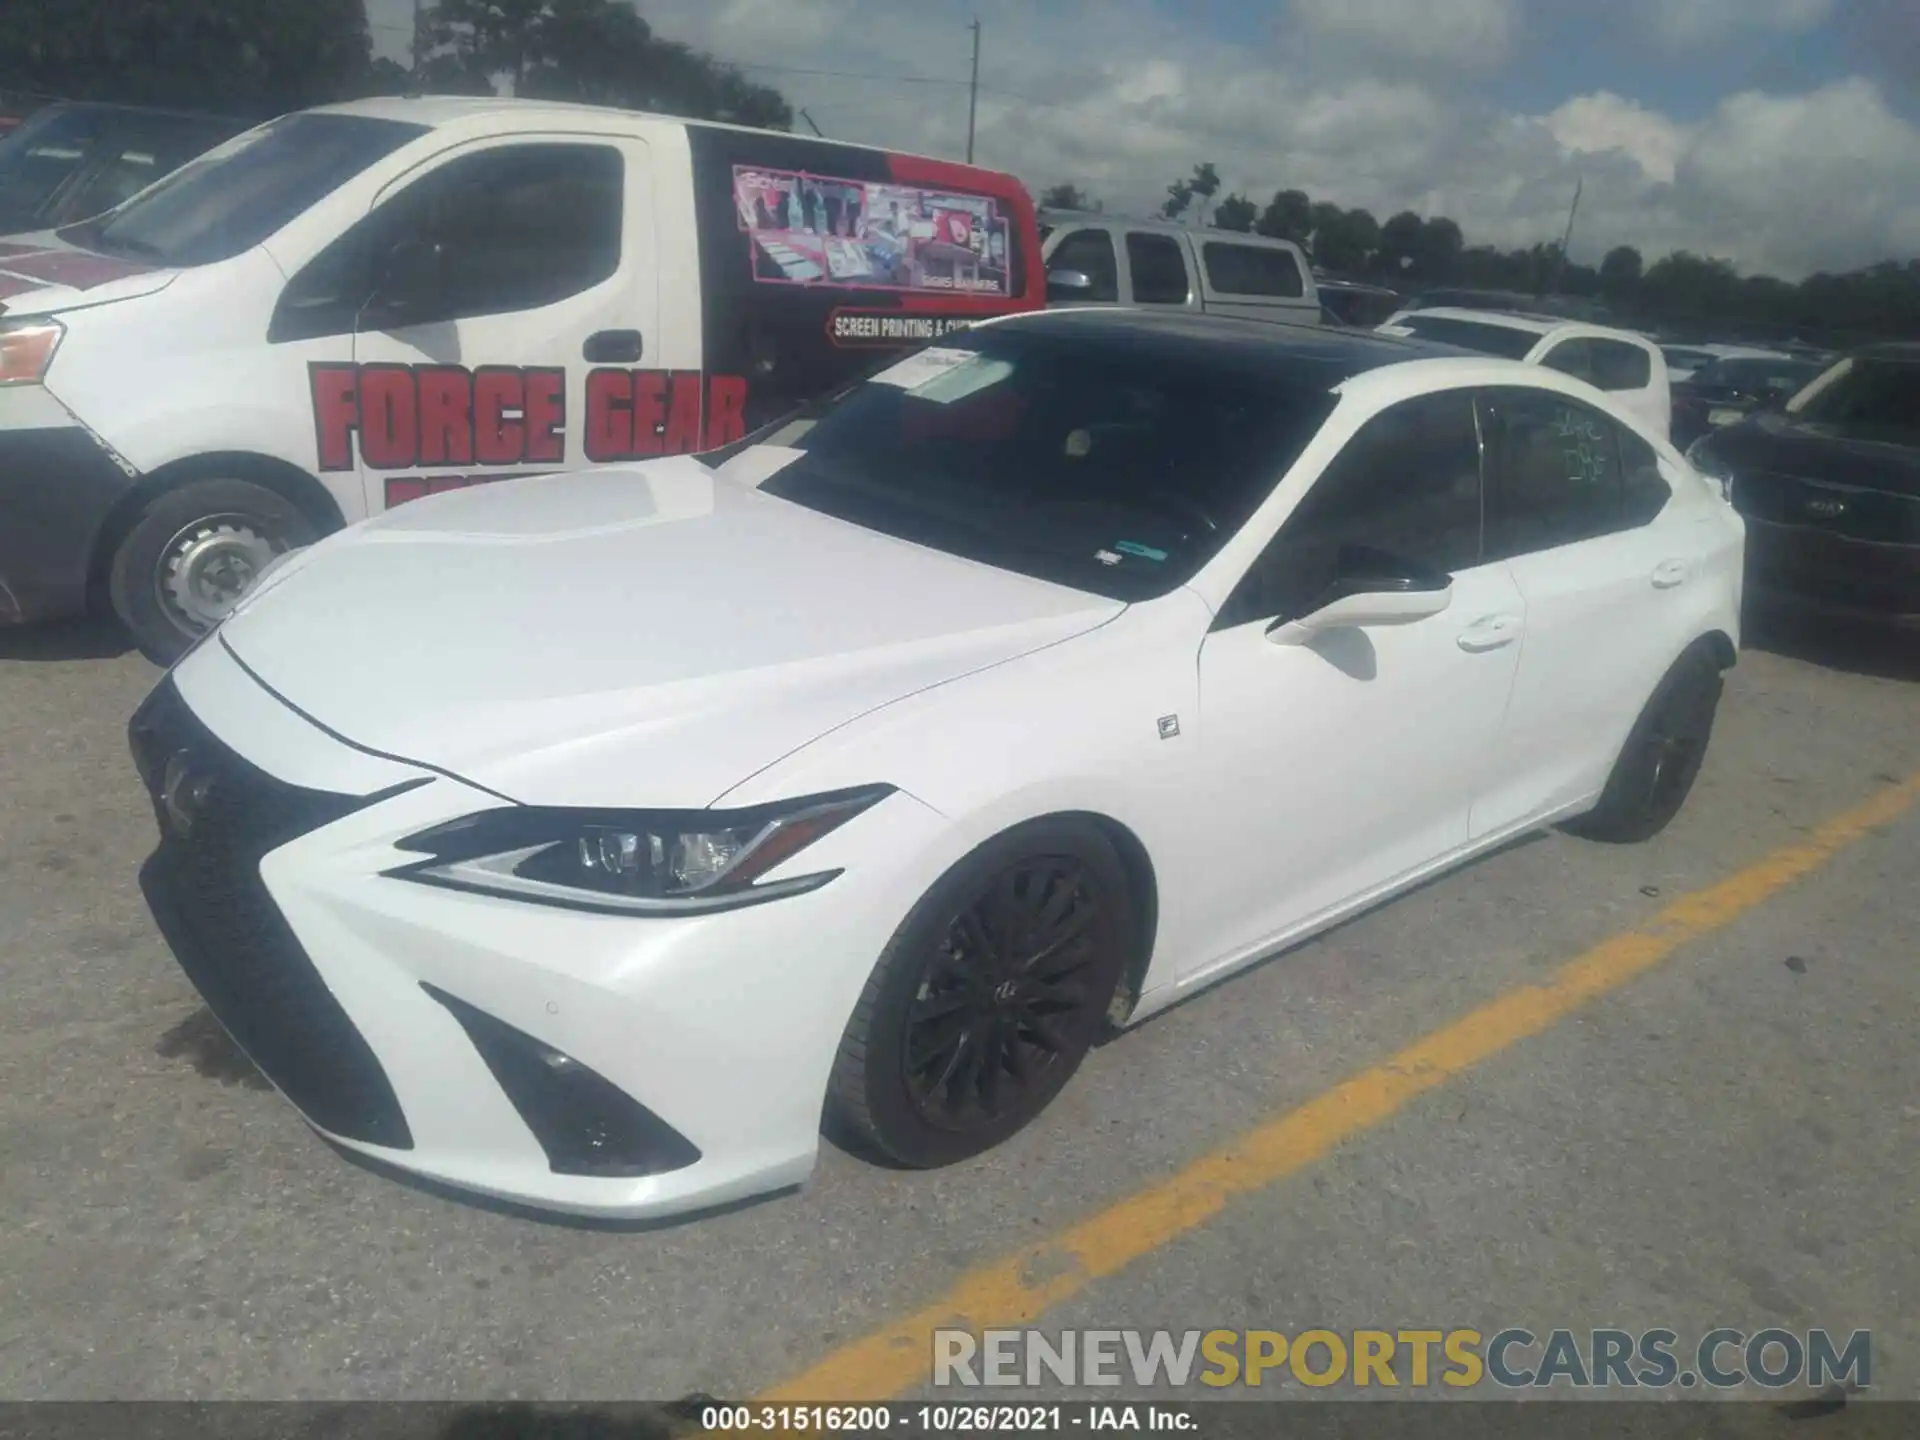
(1844, 510)
(203, 885)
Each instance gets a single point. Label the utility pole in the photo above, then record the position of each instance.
(419, 34)
(973, 91)
(1566, 239)
(810, 125)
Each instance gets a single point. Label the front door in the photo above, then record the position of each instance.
(515, 325)
(1330, 770)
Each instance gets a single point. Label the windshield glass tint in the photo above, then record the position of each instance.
(38, 157)
(1118, 472)
(1501, 340)
(232, 198)
(1873, 393)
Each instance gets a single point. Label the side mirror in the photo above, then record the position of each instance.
(1369, 588)
(1068, 284)
(410, 277)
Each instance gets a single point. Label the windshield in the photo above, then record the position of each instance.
(235, 196)
(1682, 359)
(37, 158)
(1756, 375)
(1866, 391)
(1115, 472)
(1501, 340)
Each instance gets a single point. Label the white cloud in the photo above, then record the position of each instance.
(1689, 24)
(1121, 97)
(1469, 34)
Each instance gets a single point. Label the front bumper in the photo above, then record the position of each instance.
(58, 484)
(1811, 572)
(358, 994)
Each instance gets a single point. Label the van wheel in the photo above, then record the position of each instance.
(1657, 768)
(193, 552)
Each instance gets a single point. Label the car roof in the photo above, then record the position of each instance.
(435, 111)
(109, 107)
(1530, 323)
(1905, 352)
(1252, 346)
(1157, 226)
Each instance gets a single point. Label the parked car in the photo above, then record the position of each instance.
(1732, 387)
(355, 306)
(1349, 302)
(1628, 366)
(1566, 307)
(70, 162)
(1830, 488)
(1685, 361)
(1095, 259)
(577, 841)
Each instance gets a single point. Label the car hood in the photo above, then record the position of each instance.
(1783, 445)
(639, 635)
(42, 274)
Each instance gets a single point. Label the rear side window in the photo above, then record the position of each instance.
(1571, 357)
(1645, 491)
(1617, 365)
(1556, 473)
(1091, 253)
(515, 228)
(1159, 266)
(1501, 340)
(1407, 484)
(1252, 270)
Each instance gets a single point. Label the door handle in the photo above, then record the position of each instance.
(1669, 573)
(613, 347)
(1490, 633)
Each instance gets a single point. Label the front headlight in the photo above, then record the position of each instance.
(633, 862)
(1701, 457)
(26, 350)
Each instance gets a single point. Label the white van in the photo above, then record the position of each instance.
(1629, 367)
(1095, 259)
(351, 307)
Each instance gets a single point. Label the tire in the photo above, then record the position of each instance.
(1655, 771)
(191, 553)
(961, 966)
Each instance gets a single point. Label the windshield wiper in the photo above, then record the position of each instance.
(133, 249)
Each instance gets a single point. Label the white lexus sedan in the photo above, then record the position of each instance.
(582, 841)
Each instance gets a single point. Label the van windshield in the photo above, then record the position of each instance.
(235, 196)
(38, 157)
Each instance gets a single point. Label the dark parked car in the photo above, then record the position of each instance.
(1351, 303)
(71, 162)
(1732, 387)
(1830, 488)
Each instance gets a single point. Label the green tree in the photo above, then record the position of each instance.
(1288, 216)
(1343, 240)
(599, 52)
(246, 57)
(1202, 185)
(1066, 197)
(1236, 212)
(1403, 240)
(1620, 270)
(1440, 247)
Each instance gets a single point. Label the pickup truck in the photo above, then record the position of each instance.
(1097, 259)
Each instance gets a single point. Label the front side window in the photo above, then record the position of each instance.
(239, 194)
(1251, 270)
(1406, 485)
(507, 229)
(1866, 391)
(1501, 340)
(1091, 253)
(1159, 267)
(1115, 470)
(1555, 473)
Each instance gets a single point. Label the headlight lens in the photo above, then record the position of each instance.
(650, 862)
(26, 350)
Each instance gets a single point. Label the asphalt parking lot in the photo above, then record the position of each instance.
(1730, 1135)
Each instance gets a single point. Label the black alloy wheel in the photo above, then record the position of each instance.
(988, 998)
(1662, 757)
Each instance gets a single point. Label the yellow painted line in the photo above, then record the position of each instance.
(1019, 1288)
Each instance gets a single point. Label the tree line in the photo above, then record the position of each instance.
(1682, 291)
(259, 58)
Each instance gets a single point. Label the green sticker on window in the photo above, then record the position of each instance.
(1134, 547)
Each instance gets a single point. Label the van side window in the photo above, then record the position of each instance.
(1159, 266)
(1251, 270)
(1091, 253)
(509, 229)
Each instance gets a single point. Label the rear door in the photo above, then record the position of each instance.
(1578, 507)
(514, 329)
(1159, 273)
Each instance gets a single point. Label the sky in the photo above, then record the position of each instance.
(1783, 135)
